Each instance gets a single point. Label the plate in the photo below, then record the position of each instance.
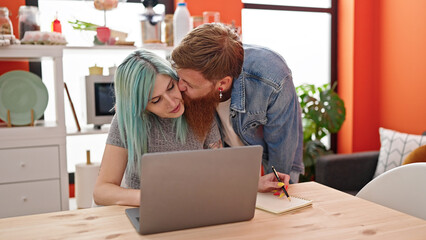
(21, 91)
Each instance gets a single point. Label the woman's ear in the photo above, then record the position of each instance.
(225, 83)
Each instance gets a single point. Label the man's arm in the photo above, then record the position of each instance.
(283, 132)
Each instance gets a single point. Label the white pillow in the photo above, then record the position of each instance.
(394, 147)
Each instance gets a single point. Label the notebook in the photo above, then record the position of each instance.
(271, 203)
(189, 189)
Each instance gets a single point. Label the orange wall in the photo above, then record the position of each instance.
(382, 73)
(229, 10)
(346, 71)
(403, 65)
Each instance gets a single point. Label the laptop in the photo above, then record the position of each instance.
(188, 189)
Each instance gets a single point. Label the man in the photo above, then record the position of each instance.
(258, 103)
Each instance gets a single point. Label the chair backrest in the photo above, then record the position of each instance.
(402, 188)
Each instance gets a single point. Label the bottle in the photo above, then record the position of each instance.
(5, 23)
(181, 23)
(56, 25)
(28, 20)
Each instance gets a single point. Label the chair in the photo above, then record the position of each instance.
(402, 188)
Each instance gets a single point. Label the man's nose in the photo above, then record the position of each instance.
(182, 86)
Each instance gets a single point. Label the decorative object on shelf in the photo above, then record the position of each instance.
(151, 23)
(104, 35)
(116, 37)
(323, 112)
(56, 25)
(5, 23)
(105, 5)
(211, 17)
(28, 20)
(43, 38)
(197, 21)
(9, 121)
(8, 39)
(111, 70)
(72, 108)
(168, 29)
(96, 70)
(23, 97)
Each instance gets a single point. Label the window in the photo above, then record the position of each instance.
(302, 31)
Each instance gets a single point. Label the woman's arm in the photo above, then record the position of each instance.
(107, 188)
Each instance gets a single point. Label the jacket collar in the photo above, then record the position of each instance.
(238, 97)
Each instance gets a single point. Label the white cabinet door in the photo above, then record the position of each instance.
(19, 199)
(28, 164)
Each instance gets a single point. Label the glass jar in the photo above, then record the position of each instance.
(28, 20)
(5, 23)
(151, 23)
(168, 29)
(151, 26)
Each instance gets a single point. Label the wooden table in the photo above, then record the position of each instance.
(333, 215)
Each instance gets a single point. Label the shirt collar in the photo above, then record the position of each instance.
(238, 97)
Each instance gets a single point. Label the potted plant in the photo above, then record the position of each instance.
(323, 113)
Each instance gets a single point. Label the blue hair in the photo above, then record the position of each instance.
(133, 83)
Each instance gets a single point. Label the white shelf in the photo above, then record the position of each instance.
(40, 130)
(101, 47)
(30, 51)
(153, 47)
(26, 142)
(87, 130)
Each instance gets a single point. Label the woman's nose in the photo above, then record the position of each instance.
(169, 99)
(182, 86)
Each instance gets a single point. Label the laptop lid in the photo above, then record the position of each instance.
(188, 189)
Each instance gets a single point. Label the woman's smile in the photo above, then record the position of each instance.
(177, 108)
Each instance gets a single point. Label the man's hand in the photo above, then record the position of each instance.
(269, 182)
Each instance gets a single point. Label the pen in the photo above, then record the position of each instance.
(283, 187)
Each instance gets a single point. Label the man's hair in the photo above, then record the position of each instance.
(213, 49)
(133, 83)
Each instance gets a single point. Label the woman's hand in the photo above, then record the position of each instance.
(269, 182)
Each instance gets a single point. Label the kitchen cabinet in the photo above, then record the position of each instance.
(33, 165)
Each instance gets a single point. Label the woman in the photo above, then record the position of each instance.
(148, 118)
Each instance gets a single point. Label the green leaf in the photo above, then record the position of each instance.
(80, 25)
(323, 112)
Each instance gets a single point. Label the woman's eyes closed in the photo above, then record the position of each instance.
(155, 100)
(171, 85)
(169, 88)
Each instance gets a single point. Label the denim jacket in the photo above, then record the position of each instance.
(265, 110)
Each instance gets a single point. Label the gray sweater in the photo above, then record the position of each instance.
(163, 140)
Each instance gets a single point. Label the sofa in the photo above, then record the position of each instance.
(351, 172)
(346, 172)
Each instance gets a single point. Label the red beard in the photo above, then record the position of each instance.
(199, 113)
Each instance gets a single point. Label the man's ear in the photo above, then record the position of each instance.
(225, 83)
